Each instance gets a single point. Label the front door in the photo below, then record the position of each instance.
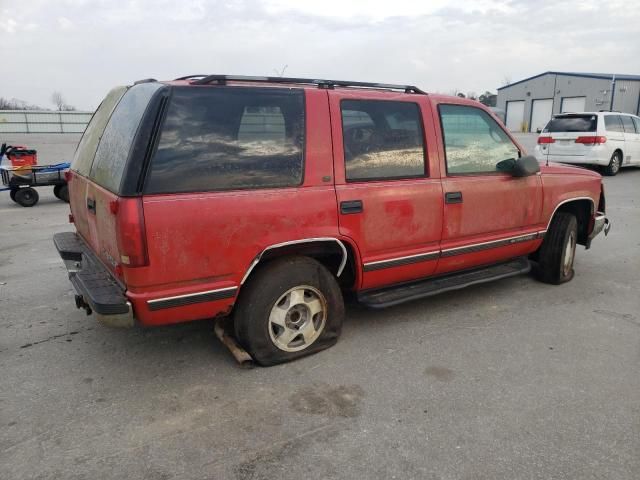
(389, 197)
(489, 215)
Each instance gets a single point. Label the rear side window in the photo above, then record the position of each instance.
(613, 123)
(627, 123)
(572, 123)
(116, 141)
(86, 150)
(382, 140)
(473, 140)
(636, 122)
(229, 138)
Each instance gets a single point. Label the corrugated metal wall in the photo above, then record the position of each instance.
(35, 121)
(598, 94)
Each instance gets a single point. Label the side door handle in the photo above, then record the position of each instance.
(351, 206)
(453, 197)
(91, 205)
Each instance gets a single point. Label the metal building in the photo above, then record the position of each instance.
(529, 103)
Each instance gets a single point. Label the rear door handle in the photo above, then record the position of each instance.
(453, 197)
(91, 205)
(351, 206)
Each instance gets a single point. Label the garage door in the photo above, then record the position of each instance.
(515, 115)
(541, 111)
(573, 104)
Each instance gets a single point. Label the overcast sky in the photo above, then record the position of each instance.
(84, 47)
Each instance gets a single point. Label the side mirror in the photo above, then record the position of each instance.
(538, 130)
(525, 166)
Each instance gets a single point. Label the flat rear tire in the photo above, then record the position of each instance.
(289, 308)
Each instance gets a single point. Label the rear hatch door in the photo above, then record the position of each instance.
(565, 129)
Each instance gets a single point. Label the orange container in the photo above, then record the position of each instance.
(22, 157)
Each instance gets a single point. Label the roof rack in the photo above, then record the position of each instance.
(321, 83)
(189, 77)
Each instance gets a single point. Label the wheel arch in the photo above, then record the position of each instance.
(619, 150)
(337, 254)
(583, 208)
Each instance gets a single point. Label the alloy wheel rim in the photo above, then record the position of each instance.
(569, 253)
(297, 318)
(615, 163)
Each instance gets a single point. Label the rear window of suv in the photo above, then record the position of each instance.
(88, 145)
(117, 138)
(572, 123)
(229, 138)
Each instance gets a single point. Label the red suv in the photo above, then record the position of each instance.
(268, 198)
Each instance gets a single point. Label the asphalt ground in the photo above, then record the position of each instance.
(509, 380)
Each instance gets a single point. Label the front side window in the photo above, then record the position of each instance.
(473, 140)
(636, 122)
(382, 140)
(229, 138)
(613, 123)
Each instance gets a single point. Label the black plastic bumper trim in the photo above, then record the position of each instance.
(190, 299)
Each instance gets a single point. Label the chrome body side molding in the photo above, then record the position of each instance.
(256, 260)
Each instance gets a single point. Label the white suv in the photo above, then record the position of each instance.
(608, 139)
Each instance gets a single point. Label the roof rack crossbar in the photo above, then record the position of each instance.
(321, 83)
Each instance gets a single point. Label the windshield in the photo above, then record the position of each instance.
(572, 123)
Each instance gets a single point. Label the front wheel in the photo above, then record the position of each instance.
(558, 250)
(614, 165)
(291, 307)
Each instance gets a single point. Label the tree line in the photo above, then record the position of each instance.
(57, 99)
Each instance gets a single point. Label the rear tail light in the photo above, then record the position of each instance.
(130, 231)
(67, 176)
(591, 140)
(545, 140)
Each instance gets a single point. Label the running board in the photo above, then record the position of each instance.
(389, 296)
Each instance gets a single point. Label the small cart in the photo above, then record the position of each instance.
(20, 180)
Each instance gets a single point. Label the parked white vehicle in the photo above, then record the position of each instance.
(608, 139)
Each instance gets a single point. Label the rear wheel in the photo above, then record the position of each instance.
(558, 250)
(12, 193)
(291, 307)
(614, 164)
(26, 197)
(62, 192)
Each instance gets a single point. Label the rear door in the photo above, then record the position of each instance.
(631, 141)
(389, 194)
(99, 165)
(615, 134)
(636, 124)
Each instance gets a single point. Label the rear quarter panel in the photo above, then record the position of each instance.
(206, 241)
